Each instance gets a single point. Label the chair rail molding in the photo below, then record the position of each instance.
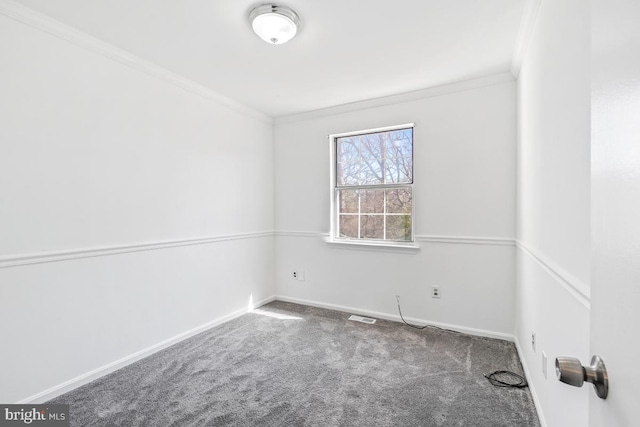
(573, 285)
(66, 255)
(465, 240)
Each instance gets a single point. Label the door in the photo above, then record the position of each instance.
(615, 201)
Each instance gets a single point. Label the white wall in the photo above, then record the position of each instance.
(464, 148)
(96, 154)
(554, 204)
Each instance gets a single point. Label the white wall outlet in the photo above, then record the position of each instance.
(544, 365)
(435, 292)
(533, 341)
(297, 275)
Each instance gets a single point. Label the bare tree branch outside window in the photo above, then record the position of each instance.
(374, 177)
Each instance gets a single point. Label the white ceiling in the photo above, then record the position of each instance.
(346, 51)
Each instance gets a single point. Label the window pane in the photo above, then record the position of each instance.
(349, 173)
(371, 227)
(398, 227)
(375, 158)
(378, 168)
(398, 170)
(399, 143)
(371, 172)
(399, 156)
(348, 201)
(348, 226)
(348, 150)
(399, 200)
(372, 201)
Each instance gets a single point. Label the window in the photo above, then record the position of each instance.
(372, 185)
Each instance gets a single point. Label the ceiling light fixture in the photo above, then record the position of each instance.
(273, 23)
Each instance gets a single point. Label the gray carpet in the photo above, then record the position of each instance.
(293, 365)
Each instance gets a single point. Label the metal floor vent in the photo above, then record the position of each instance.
(361, 319)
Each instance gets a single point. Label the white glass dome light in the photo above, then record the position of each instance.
(274, 24)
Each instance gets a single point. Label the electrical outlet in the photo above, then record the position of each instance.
(533, 341)
(544, 365)
(435, 292)
(298, 275)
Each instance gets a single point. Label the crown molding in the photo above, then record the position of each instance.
(467, 240)
(578, 289)
(83, 40)
(527, 24)
(56, 256)
(490, 80)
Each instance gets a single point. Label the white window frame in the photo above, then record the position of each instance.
(368, 243)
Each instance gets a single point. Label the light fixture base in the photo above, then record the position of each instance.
(273, 23)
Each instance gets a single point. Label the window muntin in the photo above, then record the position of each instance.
(373, 185)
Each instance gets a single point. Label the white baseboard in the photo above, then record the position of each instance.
(127, 360)
(527, 374)
(396, 318)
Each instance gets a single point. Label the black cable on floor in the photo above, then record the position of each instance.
(420, 327)
(493, 379)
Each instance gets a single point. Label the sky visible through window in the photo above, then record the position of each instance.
(374, 173)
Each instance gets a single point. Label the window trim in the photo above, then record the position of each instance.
(333, 194)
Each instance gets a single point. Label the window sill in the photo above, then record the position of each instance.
(403, 248)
